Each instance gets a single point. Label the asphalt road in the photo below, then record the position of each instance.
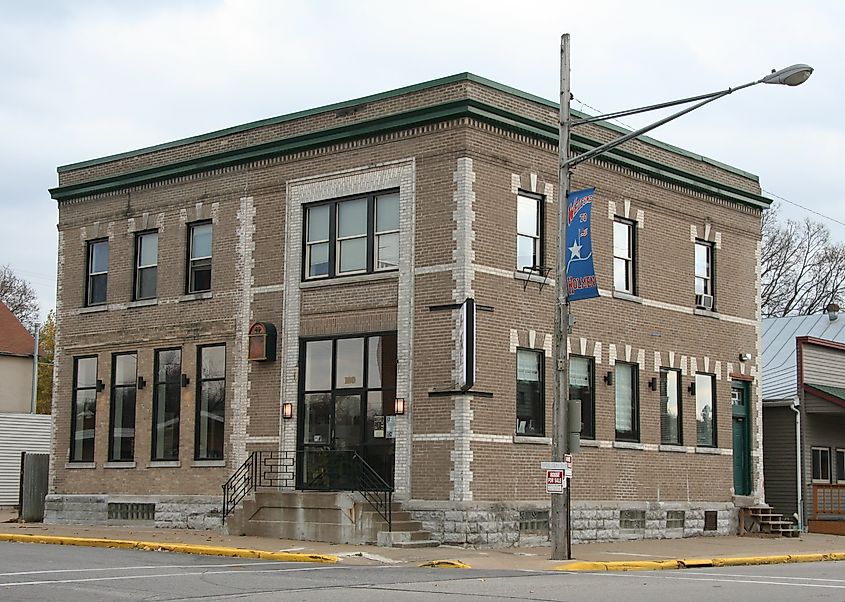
(70, 574)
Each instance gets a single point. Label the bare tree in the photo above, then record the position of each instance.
(19, 296)
(803, 270)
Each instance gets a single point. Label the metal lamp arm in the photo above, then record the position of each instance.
(646, 109)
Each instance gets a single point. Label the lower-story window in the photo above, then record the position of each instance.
(840, 466)
(627, 406)
(582, 387)
(123, 392)
(821, 464)
(705, 410)
(529, 392)
(84, 416)
(167, 396)
(211, 402)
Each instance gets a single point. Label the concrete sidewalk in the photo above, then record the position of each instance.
(535, 558)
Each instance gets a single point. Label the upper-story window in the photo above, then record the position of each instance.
(704, 289)
(530, 408)
(97, 272)
(352, 236)
(146, 265)
(199, 257)
(529, 232)
(623, 256)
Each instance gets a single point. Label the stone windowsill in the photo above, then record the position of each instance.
(356, 279)
(80, 465)
(532, 277)
(698, 311)
(628, 445)
(195, 297)
(94, 309)
(679, 449)
(119, 465)
(208, 463)
(713, 451)
(589, 443)
(532, 440)
(627, 297)
(142, 303)
(164, 464)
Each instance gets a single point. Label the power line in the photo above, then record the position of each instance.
(780, 198)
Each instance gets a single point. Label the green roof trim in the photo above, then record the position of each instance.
(400, 121)
(458, 77)
(838, 392)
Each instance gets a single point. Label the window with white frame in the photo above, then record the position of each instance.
(97, 275)
(821, 464)
(146, 265)
(199, 257)
(352, 236)
(840, 466)
(529, 231)
(623, 256)
(704, 289)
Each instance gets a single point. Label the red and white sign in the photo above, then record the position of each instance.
(555, 480)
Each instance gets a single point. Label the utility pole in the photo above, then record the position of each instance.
(559, 515)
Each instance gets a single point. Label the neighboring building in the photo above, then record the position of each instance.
(357, 232)
(16, 349)
(804, 418)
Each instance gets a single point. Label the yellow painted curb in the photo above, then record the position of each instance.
(446, 564)
(622, 565)
(751, 560)
(181, 548)
(689, 563)
(694, 563)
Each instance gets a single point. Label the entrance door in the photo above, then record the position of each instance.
(741, 436)
(347, 390)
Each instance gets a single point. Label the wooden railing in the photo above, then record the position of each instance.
(828, 500)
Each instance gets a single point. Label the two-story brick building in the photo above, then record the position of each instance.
(357, 232)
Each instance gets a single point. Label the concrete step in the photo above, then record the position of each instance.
(428, 543)
(407, 539)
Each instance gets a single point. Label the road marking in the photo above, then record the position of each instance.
(143, 568)
(752, 581)
(163, 575)
(781, 577)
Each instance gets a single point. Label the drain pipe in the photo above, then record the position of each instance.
(794, 407)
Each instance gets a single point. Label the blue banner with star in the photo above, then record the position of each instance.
(580, 273)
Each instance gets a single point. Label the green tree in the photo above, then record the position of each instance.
(46, 346)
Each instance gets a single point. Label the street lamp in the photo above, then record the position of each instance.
(790, 76)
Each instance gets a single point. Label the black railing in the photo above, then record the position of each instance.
(320, 470)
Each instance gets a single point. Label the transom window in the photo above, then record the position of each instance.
(703, 268)
(146, 265)
(623, 256)
(529, 238)
(529, 392)
(821, 464)
(670, 407)
(352, 236)
(582, 386)
(199, 257)
(627, 403)
(97, 272)
(705, 410)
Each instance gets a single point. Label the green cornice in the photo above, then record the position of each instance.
(438, 113)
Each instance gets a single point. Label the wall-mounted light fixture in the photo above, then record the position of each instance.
(100, 385)
(608, 378)
(691, 388)
(141, 382)
(652, 383)
(399, 406)
(744, 357)
(185, 380)
(287, 410)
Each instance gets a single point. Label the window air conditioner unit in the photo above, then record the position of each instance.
(704, 302)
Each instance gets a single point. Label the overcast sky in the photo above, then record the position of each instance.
(81, 80)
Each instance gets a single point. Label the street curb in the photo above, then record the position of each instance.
(182, 548)
(689, 563)
(445, 564)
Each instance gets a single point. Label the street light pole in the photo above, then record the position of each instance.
(559, 515)
(795, 75)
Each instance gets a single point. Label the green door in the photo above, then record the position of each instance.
(741, 434)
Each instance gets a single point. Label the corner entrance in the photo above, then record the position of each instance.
(346, 410)
(741, 437)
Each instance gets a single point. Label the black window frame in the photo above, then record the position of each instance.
(155, 406)
(371, 236)
(113, 406)
(588, 410)
(199, 401)
(540, 431)
(540, 244)
(839, 453)
(631, 260)
(813, 465)
(713, 404)
(89, 274)
(190, 262)
(663, 386)
(74, 402)
(137, 269)
(711, 279)
(633, 434)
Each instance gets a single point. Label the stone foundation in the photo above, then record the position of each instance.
(166, 512)
(497, 525)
